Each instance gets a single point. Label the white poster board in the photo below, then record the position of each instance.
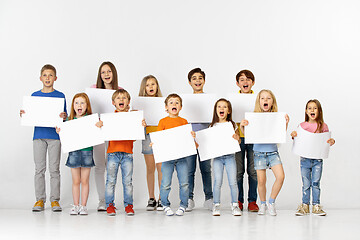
(198, 108)
(217, 141)
(241, 103)
(122, 126)
(311, 145)
(265, 127)
(153, 108)
(173, 143)
(100, 100)
(80, 133)
(42, 111)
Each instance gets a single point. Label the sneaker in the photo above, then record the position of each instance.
(168, 211)
(216, 209)
(102, 206)
(208, 204)
(55, 206)
(302, 210)
(74, 210)
(151, 205)
(253, 207)
(180, 211)
(111, 210)
(83, 210)
(235, 210)
(241, 205)
(129, 210)
(317, 210)
(262, 209)
(272, 209)
(38, 206)
(191, 205)
(159, 206)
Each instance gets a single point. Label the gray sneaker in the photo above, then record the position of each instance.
(191, 205)
(208, 204)
(235, 210)
(262, 209)
(272, 209)
(83, 210)
(102, 206)
(216, 209)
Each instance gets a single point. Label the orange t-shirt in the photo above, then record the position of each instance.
(169, 122)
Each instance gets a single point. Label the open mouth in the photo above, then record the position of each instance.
(107, 79)
(245, 86)
(266, 104)
(151, 91)
(174, 109)
(198, 84)
(222, 113)
(312, 115)
(121, 105)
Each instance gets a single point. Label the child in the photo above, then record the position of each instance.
(120, 153)
(266, 155)
(196, 79)
(107, 79)
(80, 161)
(311, 169)
(245, 80)
(223, 114)
(47, 140)
(150, 88)
(173, 105)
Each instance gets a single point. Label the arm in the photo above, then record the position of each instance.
(57, 130)
(243, 123)
(331, 141)
(287, 120)
(143, 123)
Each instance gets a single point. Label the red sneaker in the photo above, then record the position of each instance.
(111, 210)
(241, 205)
(253, 207)
(129, 210)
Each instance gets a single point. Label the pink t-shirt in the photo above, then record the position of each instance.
(94, 86)
(311, 127)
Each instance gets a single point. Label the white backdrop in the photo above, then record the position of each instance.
(298, 49)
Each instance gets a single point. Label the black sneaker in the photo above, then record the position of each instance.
(159, 206)
(151, 205)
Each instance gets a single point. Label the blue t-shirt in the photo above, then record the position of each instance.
(265, 147)
(47, 132)
(199, 126)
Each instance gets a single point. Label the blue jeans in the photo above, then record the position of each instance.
(205, 169)
(167, 169)
(250, 170)
(230, 165)
(311, 170)
(125, 161)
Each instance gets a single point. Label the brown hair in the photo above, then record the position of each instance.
(173, 95)
(88, 108)
(274, 107)
(120, 91)
(48, 67)
(196, 70)
(100, 82)
(319, 120)
(228, 117)
(142, 91)
(247, 74)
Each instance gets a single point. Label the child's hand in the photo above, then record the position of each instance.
(293, 134)
(193, 134)
(63, 115)
(244, 123)
(236, 137)
(331, 141)
(196, 145)
(99, 124)
(143, 123)
(21, 112)
(287, 118)
(57, 130)
(151, 144)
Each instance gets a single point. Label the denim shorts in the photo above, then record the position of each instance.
(265, 160)
(146, 149)
(80, 158)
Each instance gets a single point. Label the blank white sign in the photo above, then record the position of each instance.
(241, 103)
(198, 108)
(100, 100)
(153, 108)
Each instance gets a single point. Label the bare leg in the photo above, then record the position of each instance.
(150, 174)
(158, 168)
(75, 172)
(261, 177)
(279, 180)
(85, 174)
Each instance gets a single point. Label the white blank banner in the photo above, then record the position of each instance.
(100, 100)
(42, 111)
(241, 103)
(173, 143)
(217, 141)
(123, 126)
(80, 133)
(198, 108)
(311, 145)
(153, 107)
(265, 127)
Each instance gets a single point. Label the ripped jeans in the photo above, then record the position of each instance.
(311, 170)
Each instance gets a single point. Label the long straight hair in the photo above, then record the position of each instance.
(88, 108)
(142, 91)
(228, 117)
(274, 107)
(114, 82)
(319, 120)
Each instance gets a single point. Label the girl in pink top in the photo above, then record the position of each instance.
(311, 169)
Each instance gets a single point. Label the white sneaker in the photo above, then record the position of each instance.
(235, 210)
(180, 211)
(101, 206)
(272, 209)
(83, 210)
(208, 204)
(168, 211)
(262, 209)
(191, 205)
(216, 209)
(74, 210)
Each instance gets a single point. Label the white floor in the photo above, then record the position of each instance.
(199, 224)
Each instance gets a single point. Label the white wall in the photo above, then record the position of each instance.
(298, 49)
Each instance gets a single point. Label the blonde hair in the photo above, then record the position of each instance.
(274, 107)
(88, 106)
(142, 91)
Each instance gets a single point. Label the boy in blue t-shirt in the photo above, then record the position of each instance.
(47, 140)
